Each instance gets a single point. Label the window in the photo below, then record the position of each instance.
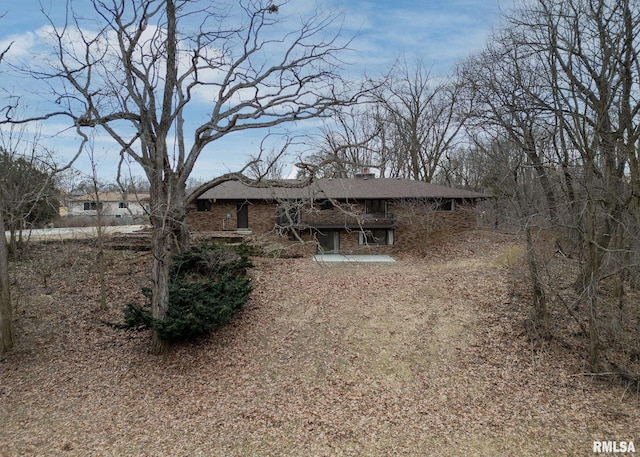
(443, 205)
(375, 206)
(91, 206)
(203, 205)
(325, 205)
(123, 204)
(328, 242)
(288, 213)
(376, 237)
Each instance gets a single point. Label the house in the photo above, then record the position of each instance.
(125, 207)
(339, 215)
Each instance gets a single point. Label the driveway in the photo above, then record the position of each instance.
(67, 233)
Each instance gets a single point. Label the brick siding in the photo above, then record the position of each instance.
(417, 225)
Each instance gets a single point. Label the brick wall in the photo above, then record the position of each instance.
(207, 221)
(345, 214)
(417, 225)
(261, 217)
(417, 228)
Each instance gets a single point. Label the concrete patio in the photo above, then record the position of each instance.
(352, 258)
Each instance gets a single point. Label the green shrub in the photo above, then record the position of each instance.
(208, 285)
(136, 316)
(210, 260)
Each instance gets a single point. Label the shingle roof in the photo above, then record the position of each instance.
(339, 189)
(109, 197)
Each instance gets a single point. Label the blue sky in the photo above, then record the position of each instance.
(440, 32)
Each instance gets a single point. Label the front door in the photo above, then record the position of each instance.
(328, 242)
(243, 215)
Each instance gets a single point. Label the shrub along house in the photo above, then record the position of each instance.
(339, 215)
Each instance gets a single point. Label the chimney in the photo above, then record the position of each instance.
(365, 173)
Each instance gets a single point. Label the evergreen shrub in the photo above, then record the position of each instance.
(208, 285)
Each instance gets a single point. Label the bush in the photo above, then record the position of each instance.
(210, 261)
(208, 285)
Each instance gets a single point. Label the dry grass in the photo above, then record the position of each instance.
(421, 357)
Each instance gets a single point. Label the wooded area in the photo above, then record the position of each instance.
(545, 120)
(413, 357)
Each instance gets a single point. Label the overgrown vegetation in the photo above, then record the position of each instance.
(208, 285)
(433, 345)
(28, 195)
(565, 318)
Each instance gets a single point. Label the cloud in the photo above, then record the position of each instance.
(439, 31)
(19, 44)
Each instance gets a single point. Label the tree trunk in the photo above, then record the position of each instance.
(169, 235)
(591, 270)
(12, 247)
(539, 304)
(161, 237)
(594, 330)
(6, 319)
(545, 183)
(181, 234)
(102, 263)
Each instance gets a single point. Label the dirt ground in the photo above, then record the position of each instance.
(420, 357)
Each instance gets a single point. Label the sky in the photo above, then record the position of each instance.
(439, 32)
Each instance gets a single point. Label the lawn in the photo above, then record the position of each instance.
(424, 356)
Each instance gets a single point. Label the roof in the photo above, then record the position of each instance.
(110, 197)
(338, 189)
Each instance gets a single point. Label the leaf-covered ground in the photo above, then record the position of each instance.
(424, 356)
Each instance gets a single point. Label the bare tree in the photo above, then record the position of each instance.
(269, 165)
(29, 194)
(591, 51)
(464, 167)
(506, 88)
(6, 314)
(351, 142)
(6, 318)
(146, 65)
(411, 121)
(420, 120)
(28, 197)
(560, 85)
(99, 225)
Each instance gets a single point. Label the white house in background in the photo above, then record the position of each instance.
(114, 205)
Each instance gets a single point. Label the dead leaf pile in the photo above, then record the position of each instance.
(426, 356)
